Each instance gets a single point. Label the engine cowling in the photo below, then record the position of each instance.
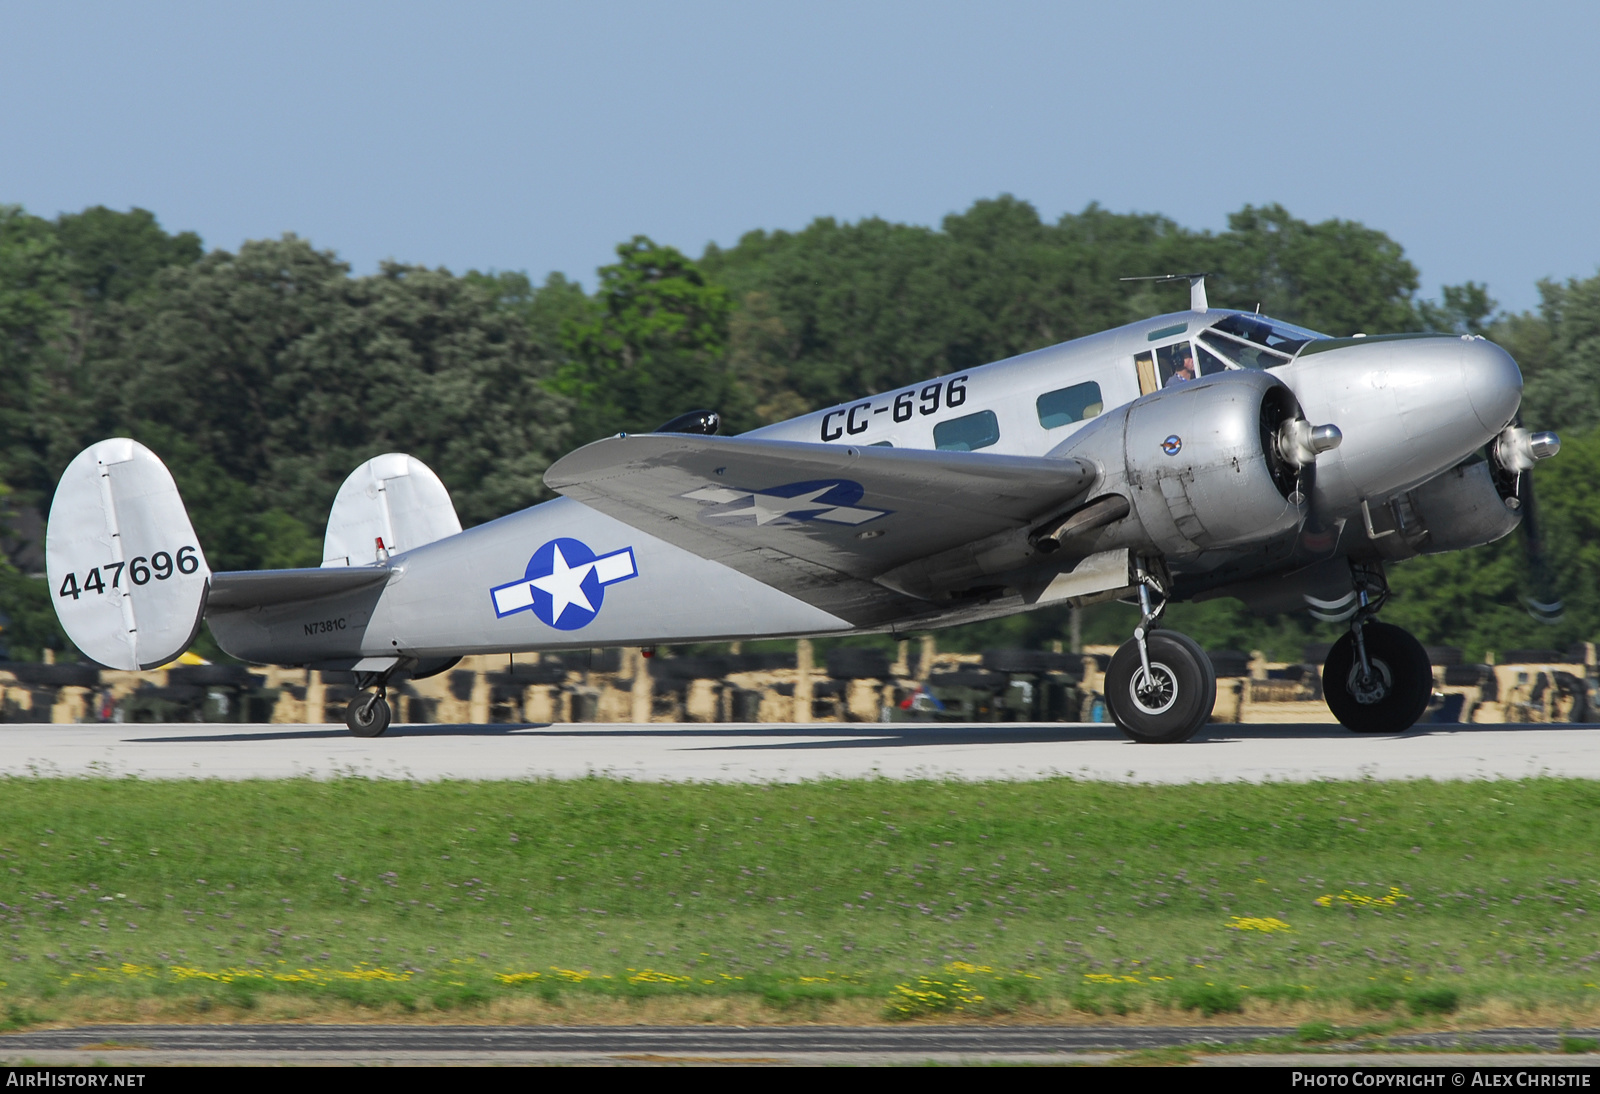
(1204, 463)
(1464, 507)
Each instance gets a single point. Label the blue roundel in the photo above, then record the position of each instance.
(1172, 445)
(565, 584)
(566, 592)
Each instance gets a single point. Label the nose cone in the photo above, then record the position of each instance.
(1492, 381)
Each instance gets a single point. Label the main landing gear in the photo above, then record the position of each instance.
(1377, 678)
(1160, 685)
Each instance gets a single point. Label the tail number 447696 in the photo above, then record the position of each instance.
(160, 566)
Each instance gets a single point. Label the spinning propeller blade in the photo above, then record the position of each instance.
(1544, 601)
(1332, 611)
(1512, 456)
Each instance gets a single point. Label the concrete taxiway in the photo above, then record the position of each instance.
(768, 753)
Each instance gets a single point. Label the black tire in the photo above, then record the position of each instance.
(367, 715)
(1406, 681)
(1182, 702)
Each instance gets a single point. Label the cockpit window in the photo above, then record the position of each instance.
(1242, 354)
(1209, 362)
(1175, 364)
(1272, 333)
(1254, 341)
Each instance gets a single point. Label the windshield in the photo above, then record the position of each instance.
(1254, 341)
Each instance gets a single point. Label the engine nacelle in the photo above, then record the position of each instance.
(1464, 507)
(1203, 463)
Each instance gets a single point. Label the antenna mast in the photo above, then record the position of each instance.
(1197, 287)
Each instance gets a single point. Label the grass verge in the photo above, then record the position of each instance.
(1343, 903)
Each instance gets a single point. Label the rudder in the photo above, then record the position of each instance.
(127, 575)
(393, 500)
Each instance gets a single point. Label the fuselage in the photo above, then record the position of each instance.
(1410, 408)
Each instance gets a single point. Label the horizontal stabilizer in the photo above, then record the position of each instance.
(240, 590)
(127, 575)
(389, 504)
(803, 516)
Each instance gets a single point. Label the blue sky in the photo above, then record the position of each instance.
(538, 136)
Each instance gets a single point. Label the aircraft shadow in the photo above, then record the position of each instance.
(867, 733)
(772, 736)
(926, 735)
(932, 734)
(857, 735)
(335, 732)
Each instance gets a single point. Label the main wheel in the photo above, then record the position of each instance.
(1174, 701)
(367, 715)
(1400, 687)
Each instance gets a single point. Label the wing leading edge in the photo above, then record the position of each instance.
(829, 524)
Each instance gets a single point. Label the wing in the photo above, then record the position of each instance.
(830, 524)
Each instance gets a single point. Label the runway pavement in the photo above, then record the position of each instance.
(133, 1046)
(768, 753)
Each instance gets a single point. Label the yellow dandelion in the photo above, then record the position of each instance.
(1266, 924)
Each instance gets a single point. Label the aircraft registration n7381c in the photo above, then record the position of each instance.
(1202, 453)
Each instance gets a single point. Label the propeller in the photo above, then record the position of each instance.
(1333, 611)
(1513, 455)
(1545, 602)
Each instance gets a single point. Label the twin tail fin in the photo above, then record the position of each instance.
(130, 581)
(126, 572)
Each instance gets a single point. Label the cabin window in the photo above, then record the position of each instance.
(1145, 365)
(1170, 366)
(968, 433)
(1070, 404)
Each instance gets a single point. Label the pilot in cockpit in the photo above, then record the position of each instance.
(1185, 370)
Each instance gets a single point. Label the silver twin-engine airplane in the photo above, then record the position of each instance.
(1203, 453)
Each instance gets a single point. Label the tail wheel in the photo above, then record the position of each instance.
(367, 715)
(1173, 701)
(1394, 696)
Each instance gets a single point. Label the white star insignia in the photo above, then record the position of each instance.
(564, 584)
(725, 506)
(770, 508)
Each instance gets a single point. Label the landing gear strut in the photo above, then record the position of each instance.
(1160, 685)
(1377, 678)
(368, 715)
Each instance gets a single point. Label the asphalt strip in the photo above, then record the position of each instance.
(781, 753)
(166, 1045)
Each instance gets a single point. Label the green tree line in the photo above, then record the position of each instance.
(264, 376)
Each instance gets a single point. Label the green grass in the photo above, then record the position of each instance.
(1406, 900)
